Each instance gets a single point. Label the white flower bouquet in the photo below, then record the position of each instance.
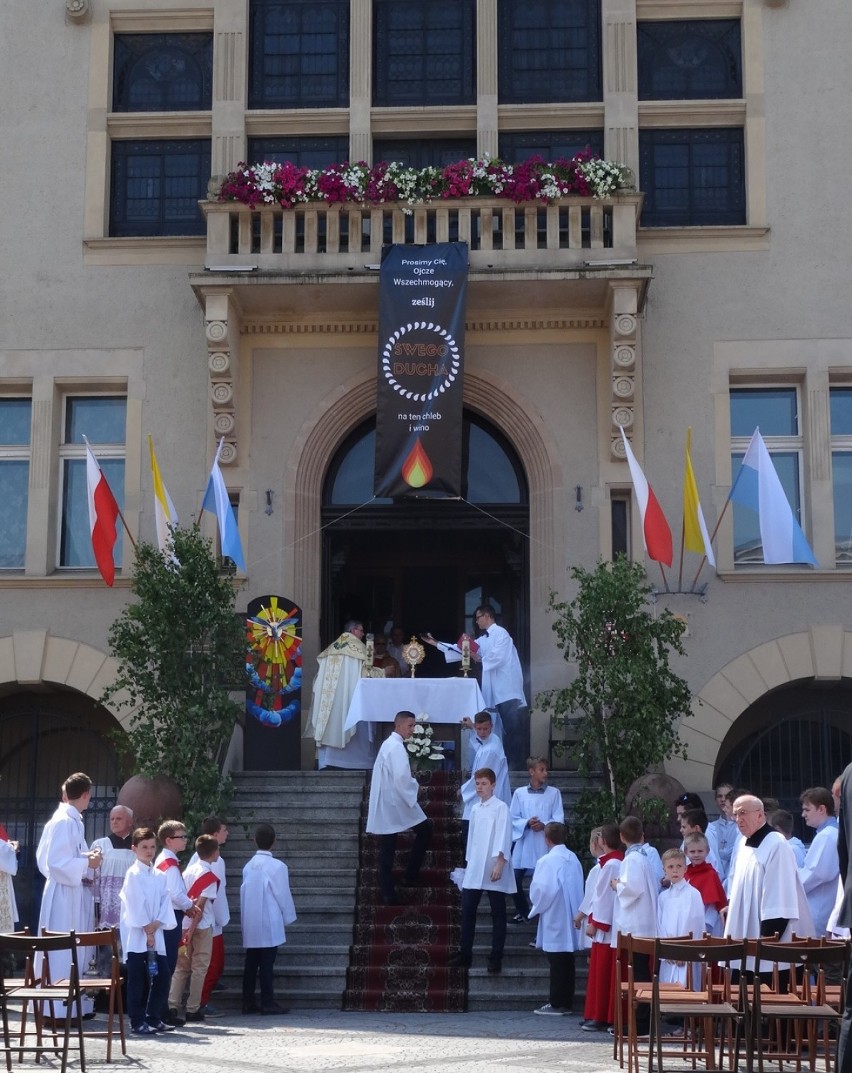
(422, 751)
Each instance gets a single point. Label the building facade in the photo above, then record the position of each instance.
(712, 296)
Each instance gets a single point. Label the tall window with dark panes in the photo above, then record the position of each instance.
(303, 150)
(102, 420)
(841, 472)
(549, 50)
(550, 145)
(695, 175)
(156, 183)
(15, 443)
(299, 54)
(424, 52)
(775, 411)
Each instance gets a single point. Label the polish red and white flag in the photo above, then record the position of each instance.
(655, 529)
(103, 514)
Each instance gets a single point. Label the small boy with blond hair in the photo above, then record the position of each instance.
(701, 874)
(680, 911)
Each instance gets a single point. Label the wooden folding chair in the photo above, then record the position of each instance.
(799, 1015)
(108, 937)
(702, 1007)
(36, 994)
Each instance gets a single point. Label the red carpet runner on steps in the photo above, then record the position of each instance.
(398, 960)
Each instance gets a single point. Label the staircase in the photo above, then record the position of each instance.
(317, 818)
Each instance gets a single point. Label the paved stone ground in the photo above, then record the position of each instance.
(322, 1041)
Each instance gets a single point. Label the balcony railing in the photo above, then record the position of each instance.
(318, 237)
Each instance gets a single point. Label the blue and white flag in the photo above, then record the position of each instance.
(216, 501)
(758, 487)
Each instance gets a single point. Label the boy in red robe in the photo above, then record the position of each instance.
(704, 877)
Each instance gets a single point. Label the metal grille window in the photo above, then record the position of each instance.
(841, 472)
(299, 54)
(306, 152)
(692, 177)
(162, 72)
(775, 411)
(156, 186)
(424, 52)
(549, 144)
(549, 50)
(102, 419)
(693, 59)
(15, 445)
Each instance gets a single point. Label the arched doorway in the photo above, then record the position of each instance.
(425, 564)
(44, 737)
(791, 738)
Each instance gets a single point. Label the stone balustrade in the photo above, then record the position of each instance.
(323, 238)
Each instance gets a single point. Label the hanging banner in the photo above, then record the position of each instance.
(421, 347)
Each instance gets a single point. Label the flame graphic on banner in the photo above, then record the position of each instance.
(417, 469)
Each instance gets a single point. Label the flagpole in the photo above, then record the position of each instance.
(663, 576)
(683, 519)
(126, 526)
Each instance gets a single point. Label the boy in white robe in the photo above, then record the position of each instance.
(172, 836)
(680, 911)
(585, 907)
(487, 751)
(821, 869)
(145, 910)
(556, 891)
(599, 1009)
(64, 859)
(636, 892)
(266, 908)
(489, 853)
(532, 808)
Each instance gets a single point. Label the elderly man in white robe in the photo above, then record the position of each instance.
(393, 808)
(489, 868)
(266, 909)
(117, 852)
(765, 893)
(64, 859)
(556, 892)
(341, 665)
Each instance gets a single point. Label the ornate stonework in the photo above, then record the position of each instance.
(221, 328)
(624, 329)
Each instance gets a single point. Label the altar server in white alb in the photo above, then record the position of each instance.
(556, 891)
(487, 750)
(266, 909)
(532, 808)
(821, 870)
(63, 858)
(489, 868)
(765, 895)
(393, 808)
(680, 911)
(146, 910)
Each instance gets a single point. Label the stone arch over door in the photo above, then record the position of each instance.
(350, 404)
(822, 653)
(33, 657)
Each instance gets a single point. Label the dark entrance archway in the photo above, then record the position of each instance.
(425, 564)
(44, 737)
(790, 739)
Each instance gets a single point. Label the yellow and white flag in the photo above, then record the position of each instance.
(164, 510)
(695, 535)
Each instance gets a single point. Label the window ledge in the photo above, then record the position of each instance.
(732, 239)
(61, 581)
(794, 574)
(147, 250)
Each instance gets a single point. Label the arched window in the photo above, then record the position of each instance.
(491, 472)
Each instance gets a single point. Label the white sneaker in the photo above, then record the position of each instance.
(551, 1011)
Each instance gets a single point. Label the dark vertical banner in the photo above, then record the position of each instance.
(421, 359)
